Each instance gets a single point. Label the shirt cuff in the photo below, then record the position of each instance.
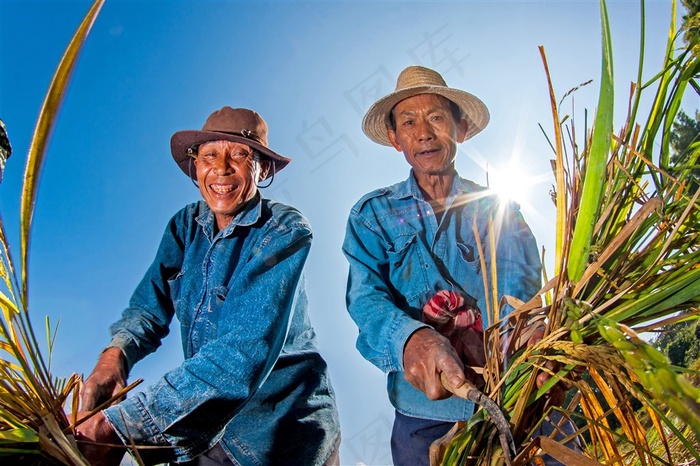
(128, 348)
(141, 428)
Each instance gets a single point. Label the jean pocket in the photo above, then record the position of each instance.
(407, 268)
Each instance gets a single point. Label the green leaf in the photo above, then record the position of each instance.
(19, 435)
(42, 134)
(597, 161)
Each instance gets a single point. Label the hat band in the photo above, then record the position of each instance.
(245, 134)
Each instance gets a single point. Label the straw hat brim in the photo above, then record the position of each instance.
(375, 124)
(182, 141)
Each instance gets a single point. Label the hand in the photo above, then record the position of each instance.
(107, 379)
(428, 354)
(557, 394)
(98, 441)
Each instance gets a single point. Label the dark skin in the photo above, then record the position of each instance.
(557, 394)
(428, 354)
(427, 133)
(106, 380)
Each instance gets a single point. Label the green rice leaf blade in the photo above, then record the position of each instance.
(595, 171)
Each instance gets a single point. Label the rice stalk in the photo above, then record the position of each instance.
(33, 423)
(626, 260)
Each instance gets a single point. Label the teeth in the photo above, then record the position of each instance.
(221, 188)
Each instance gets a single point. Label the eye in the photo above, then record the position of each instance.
(240, 154)
(407, 123)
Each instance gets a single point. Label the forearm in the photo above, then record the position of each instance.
(384, 329)
(106, 380)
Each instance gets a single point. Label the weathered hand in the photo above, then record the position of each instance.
(428, 354)
(98, 441)
(556, 394)
(106, 379)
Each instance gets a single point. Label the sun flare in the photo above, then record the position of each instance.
(511, 182)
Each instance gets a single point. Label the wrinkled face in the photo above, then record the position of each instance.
(227, 174)
(427, 133)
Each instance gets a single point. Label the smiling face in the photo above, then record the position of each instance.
(227, 173)
(427, 133)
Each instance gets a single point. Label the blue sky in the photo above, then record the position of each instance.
(311, 69)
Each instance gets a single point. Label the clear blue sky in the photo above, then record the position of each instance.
(148, 69)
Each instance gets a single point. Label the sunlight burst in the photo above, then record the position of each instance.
(511, 182)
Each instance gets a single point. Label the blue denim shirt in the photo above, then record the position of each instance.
(252, 375)
(400, 256)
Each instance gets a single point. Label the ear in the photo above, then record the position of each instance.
(462, 127)
(264, 170)
(392, 139)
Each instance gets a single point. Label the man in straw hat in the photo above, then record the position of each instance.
(253, 388)
(415, 286)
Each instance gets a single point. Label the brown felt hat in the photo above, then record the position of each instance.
(228, 124)
(416, 80)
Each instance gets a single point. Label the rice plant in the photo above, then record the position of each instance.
(34, 428)
(626, 261)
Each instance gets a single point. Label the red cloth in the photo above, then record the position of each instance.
(447, 313)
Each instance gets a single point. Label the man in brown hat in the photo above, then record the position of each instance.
(415, 287)
(253, 388)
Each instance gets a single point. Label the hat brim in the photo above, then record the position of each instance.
(182, 141)
(375, 124)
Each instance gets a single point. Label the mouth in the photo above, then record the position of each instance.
(427, 152)
(219, 188)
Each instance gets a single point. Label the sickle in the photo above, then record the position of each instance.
(468, 391)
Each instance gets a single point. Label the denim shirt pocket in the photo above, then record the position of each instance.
(175, 287)
(407, 268)
(470, 255)
(218, 298)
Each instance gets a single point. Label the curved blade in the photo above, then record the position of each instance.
(469, 392)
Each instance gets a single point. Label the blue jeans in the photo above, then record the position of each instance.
(411, 438)
(216, 456)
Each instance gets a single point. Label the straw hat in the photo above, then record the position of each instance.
(228, 124)
(416, 80)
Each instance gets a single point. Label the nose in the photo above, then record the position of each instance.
(223, 166)
(424, 131)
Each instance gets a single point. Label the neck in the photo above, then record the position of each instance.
(436, 187)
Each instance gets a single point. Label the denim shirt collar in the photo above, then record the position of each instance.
(247, 216)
